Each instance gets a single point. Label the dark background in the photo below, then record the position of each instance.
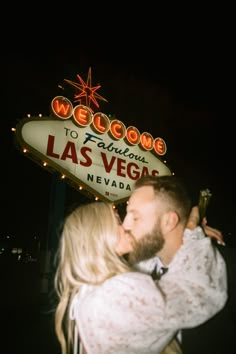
(166, 71)
(180, 93)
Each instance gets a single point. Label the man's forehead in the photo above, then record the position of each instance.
(142, 195)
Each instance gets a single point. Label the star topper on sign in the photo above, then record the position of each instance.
(87, 94)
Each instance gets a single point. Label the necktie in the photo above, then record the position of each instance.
(157, 275)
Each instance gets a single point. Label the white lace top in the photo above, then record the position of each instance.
(131, 314)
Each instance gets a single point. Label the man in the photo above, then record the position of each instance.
(156, 220)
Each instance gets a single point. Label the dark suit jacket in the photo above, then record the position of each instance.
(217, 335)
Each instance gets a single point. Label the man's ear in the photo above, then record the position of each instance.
(169, 221)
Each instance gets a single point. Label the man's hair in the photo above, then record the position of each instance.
(171, 191)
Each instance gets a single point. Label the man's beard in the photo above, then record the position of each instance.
(147, 246)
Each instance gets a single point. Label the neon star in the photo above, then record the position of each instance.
(87, 93)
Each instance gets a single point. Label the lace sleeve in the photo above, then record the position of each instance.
(195, 234)
(202, 277)
(131, 314)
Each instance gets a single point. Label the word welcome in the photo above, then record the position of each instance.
(101, 124)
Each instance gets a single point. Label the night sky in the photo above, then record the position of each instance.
(180, 93)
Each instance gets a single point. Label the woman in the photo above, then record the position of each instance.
(113, 309)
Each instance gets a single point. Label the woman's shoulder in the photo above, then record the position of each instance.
(118, 285)
(118, 293)
(130, 278)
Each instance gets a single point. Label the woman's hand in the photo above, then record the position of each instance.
(209, 231)
(212, 232)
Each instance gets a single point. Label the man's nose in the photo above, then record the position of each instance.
(126, 223)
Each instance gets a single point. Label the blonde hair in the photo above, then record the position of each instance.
(86, 255)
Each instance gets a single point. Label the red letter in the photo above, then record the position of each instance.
(88, 161)
(50, 147)
(120, 167)
(107, 166)
(132, 173)
(70, 148)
